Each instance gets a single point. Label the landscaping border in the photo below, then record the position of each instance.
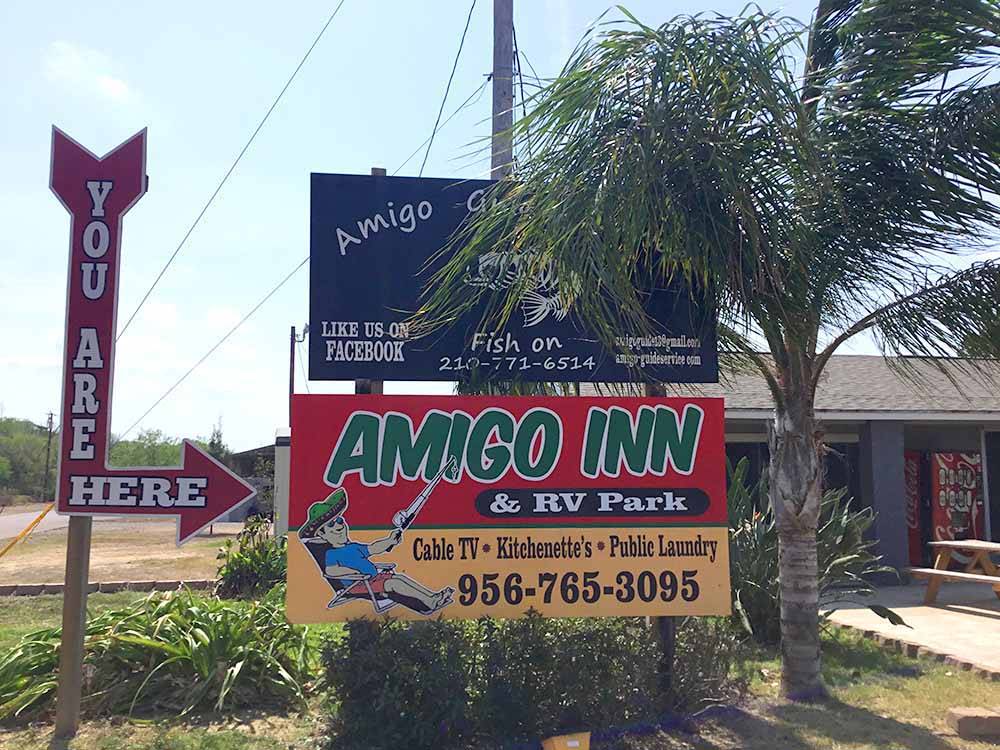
(916, 650)
(110, 587)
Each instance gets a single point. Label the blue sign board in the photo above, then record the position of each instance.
(374, 245)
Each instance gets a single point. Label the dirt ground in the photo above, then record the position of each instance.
(758, 725)
(120, 551)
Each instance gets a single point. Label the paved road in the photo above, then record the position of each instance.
(12, 524)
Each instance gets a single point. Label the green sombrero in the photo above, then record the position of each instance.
(324, 511)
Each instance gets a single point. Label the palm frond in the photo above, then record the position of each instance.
(659, 155)
(801, 207)
(956, 314)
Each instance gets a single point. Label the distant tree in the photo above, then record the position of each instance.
(217, 446)
(4, 471)
(149, 448)
(263, 480)
(22, 448)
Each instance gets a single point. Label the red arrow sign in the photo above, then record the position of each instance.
(98, 192)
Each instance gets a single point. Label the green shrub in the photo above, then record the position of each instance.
(254, 565)
(541, 676)
(846, 558)
(491, 683)
(399, 685)
(167, 653)
(708, 664)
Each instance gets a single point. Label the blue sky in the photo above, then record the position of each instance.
(200, 76)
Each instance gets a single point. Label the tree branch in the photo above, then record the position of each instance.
(970, 294)
(759, 361)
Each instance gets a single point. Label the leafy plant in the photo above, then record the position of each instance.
(255, 564)
(542, 676)
(398, 685)
(172, 653)
(490, 682)
(709, 664)
(809, 181)
(846, 557)
(263, 479)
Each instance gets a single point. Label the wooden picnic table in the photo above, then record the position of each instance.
(979, 569)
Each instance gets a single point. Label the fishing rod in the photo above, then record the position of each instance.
(403, 519)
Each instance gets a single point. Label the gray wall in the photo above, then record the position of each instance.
(882, 487)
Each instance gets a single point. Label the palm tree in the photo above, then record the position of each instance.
(814, 201)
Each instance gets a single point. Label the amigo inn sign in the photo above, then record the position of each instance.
(467, 506)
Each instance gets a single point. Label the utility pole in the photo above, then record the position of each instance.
(371, 386)
(502, 152)
(291, 372)
(48, 454)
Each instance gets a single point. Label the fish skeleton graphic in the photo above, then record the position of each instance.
(505, 269)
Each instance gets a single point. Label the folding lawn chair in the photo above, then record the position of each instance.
(357, 586)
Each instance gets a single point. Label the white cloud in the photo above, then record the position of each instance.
(84, 69)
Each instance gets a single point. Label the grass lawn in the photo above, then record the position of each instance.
(22, 614)
(120, 551)
(240, 732)
(879, 700)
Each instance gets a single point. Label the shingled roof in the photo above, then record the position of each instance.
(868, 384)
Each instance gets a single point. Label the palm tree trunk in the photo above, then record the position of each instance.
(796, 489)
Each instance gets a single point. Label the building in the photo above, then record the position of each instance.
(919, 448)
(250, 464)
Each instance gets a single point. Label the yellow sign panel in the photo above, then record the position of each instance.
(585, 572)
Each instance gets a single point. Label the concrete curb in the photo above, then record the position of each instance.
(916, 650)
(107, 587)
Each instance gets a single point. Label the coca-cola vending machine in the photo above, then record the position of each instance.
(957, 509)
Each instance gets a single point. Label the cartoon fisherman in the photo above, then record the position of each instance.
(347, 567)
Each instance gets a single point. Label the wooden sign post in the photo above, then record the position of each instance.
(98, 192)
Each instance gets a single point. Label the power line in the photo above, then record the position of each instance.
(477, 94)
(468, 102)
(211, 351)
(520, 78)
(471, 99)
(447, 88)
(231, 169)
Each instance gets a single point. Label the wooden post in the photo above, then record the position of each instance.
(502, 152)
(48, 456)
(666, 627)
(74, 621)
(371, 386)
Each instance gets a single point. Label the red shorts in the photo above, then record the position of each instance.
(378, 582)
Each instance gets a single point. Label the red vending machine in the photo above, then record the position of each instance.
(957, 510)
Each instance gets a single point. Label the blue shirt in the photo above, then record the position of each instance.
(352, 555)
